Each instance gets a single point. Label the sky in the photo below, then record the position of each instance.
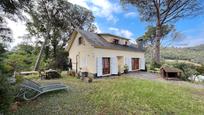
(111, 17)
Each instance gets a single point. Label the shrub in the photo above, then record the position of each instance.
(200, 69)
(6, 95)
(31, 76)
(19, 78)
(188, 70)
(154, 65)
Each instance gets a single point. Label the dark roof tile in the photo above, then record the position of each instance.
(97, 41)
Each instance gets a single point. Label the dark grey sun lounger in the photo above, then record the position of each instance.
(29, 86)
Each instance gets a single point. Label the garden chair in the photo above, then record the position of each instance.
(31, 90)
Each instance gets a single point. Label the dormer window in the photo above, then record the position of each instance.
(81, 41)
(115, 41)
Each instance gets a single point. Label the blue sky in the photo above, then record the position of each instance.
(110, 17)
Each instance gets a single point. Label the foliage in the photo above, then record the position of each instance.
(54, 21)
(200, 69)
(10, 6)
(188, 70)
(119, 96)
(5, 32)
(6, 95)
(150, 34)
(154, 65)
(193, 54)
(19, 78)
(21, 58)
(60, 62)
(3, 68)
(162, 12)
(168, 10)
(10, 9)
(126, 67)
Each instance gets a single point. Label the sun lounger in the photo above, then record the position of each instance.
(29, 87)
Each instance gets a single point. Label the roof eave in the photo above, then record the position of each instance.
(113, 35)
(118, 49)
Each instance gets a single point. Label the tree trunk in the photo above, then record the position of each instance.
(37, 63)
(54, 50)
(157, 45)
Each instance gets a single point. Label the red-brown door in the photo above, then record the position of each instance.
(106, 65)
(135, 63)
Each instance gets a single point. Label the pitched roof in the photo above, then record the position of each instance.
(171, 69)
(99, 42)
(114, 36)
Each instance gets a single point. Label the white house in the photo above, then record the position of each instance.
(104, 54)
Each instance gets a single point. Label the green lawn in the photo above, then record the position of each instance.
(117, 96)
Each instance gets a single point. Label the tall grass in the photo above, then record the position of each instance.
(119, 96)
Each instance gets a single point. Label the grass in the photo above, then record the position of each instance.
(117, 96)
(182, 61)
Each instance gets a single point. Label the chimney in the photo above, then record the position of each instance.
(140, 43)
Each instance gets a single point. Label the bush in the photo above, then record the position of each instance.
(19, 78)
(6, 95)
(154, 65)
(200, 69)
(188, 70)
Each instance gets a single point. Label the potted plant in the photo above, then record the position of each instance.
(125, 68)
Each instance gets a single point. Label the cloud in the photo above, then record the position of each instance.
(101, 8)
(194, 40)
(131, 14)
(18, 29)
(121, 32)
(98, 28)
(191, 39)
(82, 3)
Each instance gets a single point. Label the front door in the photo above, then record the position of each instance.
(135, 63)
(106, 65)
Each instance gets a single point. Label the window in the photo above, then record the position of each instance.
(115, 41)
(81, 41)
(106, 65)
(126, 43)
(135, 63)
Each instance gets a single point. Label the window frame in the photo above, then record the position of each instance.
(115, 41)
(81, 41)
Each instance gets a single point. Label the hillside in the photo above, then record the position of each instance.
(193, 54)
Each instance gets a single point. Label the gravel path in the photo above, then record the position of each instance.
(156, 77)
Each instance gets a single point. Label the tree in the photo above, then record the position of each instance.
(149, 41)
(150, 34)
(20, 59)
(54, 21)
(162, 12)
(5, 32)
(11, 9)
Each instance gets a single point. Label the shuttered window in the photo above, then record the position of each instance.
(106, 65)
(135, 63)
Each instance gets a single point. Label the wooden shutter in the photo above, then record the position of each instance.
(142, 63)
(129, 63)
(114, 65)
(99, 66)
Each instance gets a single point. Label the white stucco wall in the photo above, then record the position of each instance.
(113, 53)
(83, 53)
(87, 55)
